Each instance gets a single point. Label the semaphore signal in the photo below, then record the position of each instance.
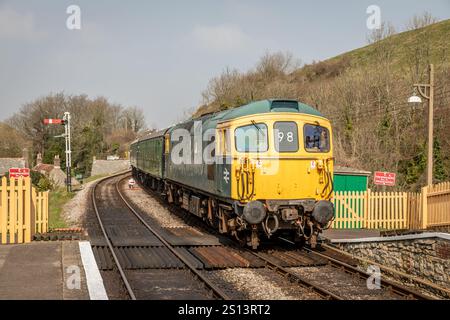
(67, 135)
(54, 121)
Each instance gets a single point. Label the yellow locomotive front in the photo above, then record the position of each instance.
(281, 174)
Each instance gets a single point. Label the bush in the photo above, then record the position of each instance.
(40, 181)
(44, 184)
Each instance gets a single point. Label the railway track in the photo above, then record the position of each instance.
(334, 263)
(426, 285)
(182, 260)
(390, 286)
(116, 211)
(340, 275)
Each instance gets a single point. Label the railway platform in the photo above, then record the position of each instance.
(338, 234)
(56, 270)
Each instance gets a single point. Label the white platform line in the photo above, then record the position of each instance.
(93, 277)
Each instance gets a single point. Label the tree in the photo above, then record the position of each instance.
(420, 21)
(97, 128)
(134, 119)
(11, 142)
(385, 30)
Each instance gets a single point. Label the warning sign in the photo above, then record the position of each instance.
(384, 178)
(19, 172)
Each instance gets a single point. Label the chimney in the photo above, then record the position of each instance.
(57, 162)
(39, 159)
(25, 156)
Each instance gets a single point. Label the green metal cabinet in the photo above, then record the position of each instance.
(349, 179)
(346, 182)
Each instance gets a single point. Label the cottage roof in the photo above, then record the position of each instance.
(44, 167)
(7, 163)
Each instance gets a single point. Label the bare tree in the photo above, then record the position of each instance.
(385, 30)
(134, 119)
(11, 142)
(276, 64)
(420, 21)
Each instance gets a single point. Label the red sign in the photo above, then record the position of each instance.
(53, 121)
(19, 172)
(384, 178)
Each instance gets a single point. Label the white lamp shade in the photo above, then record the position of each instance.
(414, 99)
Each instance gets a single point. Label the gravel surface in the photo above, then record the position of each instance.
(153, 208)
(261, 284)
(74, 211)
(345, 285)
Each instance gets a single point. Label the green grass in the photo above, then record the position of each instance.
(57, 199)
(93, 178)
(87, 180)
(405, 43)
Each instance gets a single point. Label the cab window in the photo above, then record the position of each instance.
(286, 136)
(251, 138)
(317, 138)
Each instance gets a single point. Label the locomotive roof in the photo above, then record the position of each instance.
(266, 106)
(154, 134)
(257, 107)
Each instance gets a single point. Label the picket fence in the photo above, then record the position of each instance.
(23, 211)
(393, 210)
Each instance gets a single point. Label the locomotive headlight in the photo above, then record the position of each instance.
(254, 212)
(323, 212)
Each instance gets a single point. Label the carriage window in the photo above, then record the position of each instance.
(317, 138)
(286, 136)
(251, 138)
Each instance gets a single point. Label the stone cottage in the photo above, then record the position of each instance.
(53, 171)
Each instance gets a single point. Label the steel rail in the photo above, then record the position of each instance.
(389, 285)
(217, 292)
(108, 242)
(307, 284)
(324, 293)
(444, 292)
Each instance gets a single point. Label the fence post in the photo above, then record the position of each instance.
(4, 210)
(12, 210)
(366, 209)
(424, 207)
(28, 211)
(20, 187)
(33, 213)
(46, 194)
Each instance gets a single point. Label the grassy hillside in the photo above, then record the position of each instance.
(364, 94)
(436, 36)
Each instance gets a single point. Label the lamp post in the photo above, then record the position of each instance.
(427, 92)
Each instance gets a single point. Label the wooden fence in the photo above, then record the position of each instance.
(436, 205)
(23, 211)
(393, 210)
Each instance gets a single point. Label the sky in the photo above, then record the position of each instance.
(160, 55)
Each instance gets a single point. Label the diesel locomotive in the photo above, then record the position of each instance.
(261, 170)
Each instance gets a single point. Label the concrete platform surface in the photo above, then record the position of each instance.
(42, 271)
(335, 234)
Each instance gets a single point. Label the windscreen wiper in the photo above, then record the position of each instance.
(256, 126)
